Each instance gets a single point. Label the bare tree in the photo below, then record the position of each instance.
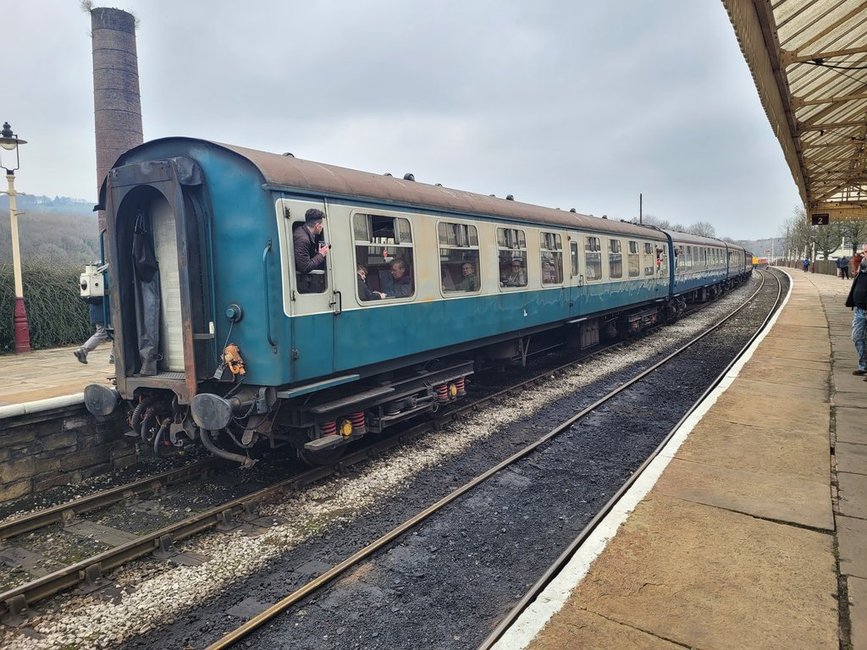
(702, 228)
(800, 234)
(855, 233)
(828, 238)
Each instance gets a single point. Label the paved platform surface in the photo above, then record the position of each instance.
(43, 374)
(736, 544)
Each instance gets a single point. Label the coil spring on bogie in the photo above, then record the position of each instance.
(328, 428)
(358, 422)
(460, 385)
(442, 393)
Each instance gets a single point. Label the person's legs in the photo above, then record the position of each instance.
(859, 337)
(98, 337)
(90, 344)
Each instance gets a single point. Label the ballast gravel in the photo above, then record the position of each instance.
(153, 595)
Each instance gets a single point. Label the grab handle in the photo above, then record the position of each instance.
(265, 254)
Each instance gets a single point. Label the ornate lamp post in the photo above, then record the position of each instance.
(10, 142)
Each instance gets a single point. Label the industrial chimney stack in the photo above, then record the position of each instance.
(116, 97)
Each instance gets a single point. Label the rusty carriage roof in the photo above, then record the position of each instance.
(286, 171)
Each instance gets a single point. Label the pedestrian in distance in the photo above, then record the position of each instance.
(843, 264)
(806, 264)
(97, 319)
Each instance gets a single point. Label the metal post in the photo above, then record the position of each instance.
(22, 328)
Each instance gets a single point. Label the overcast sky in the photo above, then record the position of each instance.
(562, 103)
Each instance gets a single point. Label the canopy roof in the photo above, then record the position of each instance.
(808, 59)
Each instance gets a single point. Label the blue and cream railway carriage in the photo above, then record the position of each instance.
(219, 339)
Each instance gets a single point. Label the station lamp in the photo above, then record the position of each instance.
(10, 142)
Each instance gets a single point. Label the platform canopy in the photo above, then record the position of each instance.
(809, 62)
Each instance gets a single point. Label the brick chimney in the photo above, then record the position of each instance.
(116, 97)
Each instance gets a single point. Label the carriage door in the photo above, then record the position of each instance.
(309, 299)
(165, 240)
(576, 280)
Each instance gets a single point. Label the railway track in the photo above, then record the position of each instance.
(14, 603)
(314, 586)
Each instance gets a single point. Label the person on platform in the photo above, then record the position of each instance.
(855, 261)
(843, 265)
(806, 264)
(857, 301)
(97, 319)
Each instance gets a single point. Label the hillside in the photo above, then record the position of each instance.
(58, 232)
(770, 247)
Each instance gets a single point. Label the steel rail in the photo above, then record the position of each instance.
(277, 608)
(64, 512)
(557, 566)
(18, 598)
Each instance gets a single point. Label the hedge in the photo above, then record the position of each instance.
(56, 314)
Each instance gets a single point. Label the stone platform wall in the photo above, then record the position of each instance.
(58, 447)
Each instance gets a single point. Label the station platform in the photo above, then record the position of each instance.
(48, 374)
(750, 528)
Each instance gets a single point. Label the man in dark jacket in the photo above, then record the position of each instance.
(857, 300)
(310, 250)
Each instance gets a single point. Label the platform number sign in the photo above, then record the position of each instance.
(819, 218)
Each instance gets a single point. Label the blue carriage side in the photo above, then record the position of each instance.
(222, 339)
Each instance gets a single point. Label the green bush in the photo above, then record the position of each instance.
(55, 312)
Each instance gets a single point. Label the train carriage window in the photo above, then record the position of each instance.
(615, 259)
(551, 254)
(648, 259)
(459, 257)
(512, 252)
(383, 245)
(633, 261)
(593, 257)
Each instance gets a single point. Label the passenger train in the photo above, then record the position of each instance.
(219, 340)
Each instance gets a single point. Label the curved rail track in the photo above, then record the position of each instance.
(327, 577)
